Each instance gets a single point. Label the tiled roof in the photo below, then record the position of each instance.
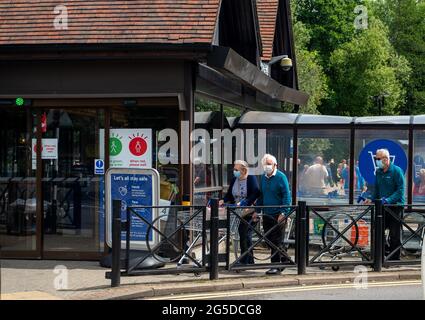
(267, 13)
(107, 21)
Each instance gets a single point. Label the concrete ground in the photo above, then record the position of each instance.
(33, 279)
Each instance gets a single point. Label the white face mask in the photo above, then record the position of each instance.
(268, 169)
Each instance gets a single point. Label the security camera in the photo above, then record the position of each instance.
(286, 63)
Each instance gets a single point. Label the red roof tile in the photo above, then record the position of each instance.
(267, 13)
(102, 21)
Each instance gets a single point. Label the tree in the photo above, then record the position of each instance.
(331, 23)
(364, 67)
(311, 77)
(405, 20)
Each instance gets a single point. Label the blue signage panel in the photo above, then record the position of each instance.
(134, 188)
(99, 166)
(367, 164)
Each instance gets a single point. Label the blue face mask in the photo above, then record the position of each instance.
(237, 174)
(379, 164)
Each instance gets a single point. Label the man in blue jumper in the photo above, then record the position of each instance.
(390, 187)
(274, 188)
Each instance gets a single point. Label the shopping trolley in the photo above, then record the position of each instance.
(333, 228)
(196, 227)
(260, 249)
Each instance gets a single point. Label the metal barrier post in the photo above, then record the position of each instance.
(214, 240)
(423, 268)
(116, 243)
(127, 240)
(379, 236)
(301, 237)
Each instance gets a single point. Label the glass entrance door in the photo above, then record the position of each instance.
(18, 207)
(71, 190)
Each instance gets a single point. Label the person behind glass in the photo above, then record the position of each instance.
(390, 187)
(274, 188)
(419, 189)
(316, 177)
(243, 191)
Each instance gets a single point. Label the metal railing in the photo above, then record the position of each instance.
(264, 230)
(341, 235)
(158, 240)
(317, 236)
(409, 223)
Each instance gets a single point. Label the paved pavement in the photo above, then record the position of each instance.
(86, 280)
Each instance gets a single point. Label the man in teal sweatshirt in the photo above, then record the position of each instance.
(274, 188)
(390, 188)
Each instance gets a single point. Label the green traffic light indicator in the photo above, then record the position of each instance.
(19, 102)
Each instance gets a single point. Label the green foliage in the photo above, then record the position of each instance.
(360, 63)
(312, 147)
(364, 67)
(335, 148)
(338, 149)
(231, 111)
(406, 22)
(311, 77)
(204, 105)
(331, 23)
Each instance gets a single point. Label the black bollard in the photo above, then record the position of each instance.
(379, 236)
(116, 244)
(301, 237)
(214, 240)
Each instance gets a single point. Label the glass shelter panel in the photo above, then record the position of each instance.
(280, 143)
(230, 117)
(207, 175)
(367, 142)
(419, 167)
(323, 166)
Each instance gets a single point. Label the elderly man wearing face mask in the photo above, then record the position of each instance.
(274, 188)
(390, 187)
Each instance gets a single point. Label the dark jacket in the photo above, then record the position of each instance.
(253, 191)
(390, 185)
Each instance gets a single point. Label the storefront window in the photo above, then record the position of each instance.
(366, 144)
(17, 180)
(323, 166)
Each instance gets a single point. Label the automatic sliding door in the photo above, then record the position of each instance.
(17, 182)
(70, 188)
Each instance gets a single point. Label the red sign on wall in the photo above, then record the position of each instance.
(43, 122)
